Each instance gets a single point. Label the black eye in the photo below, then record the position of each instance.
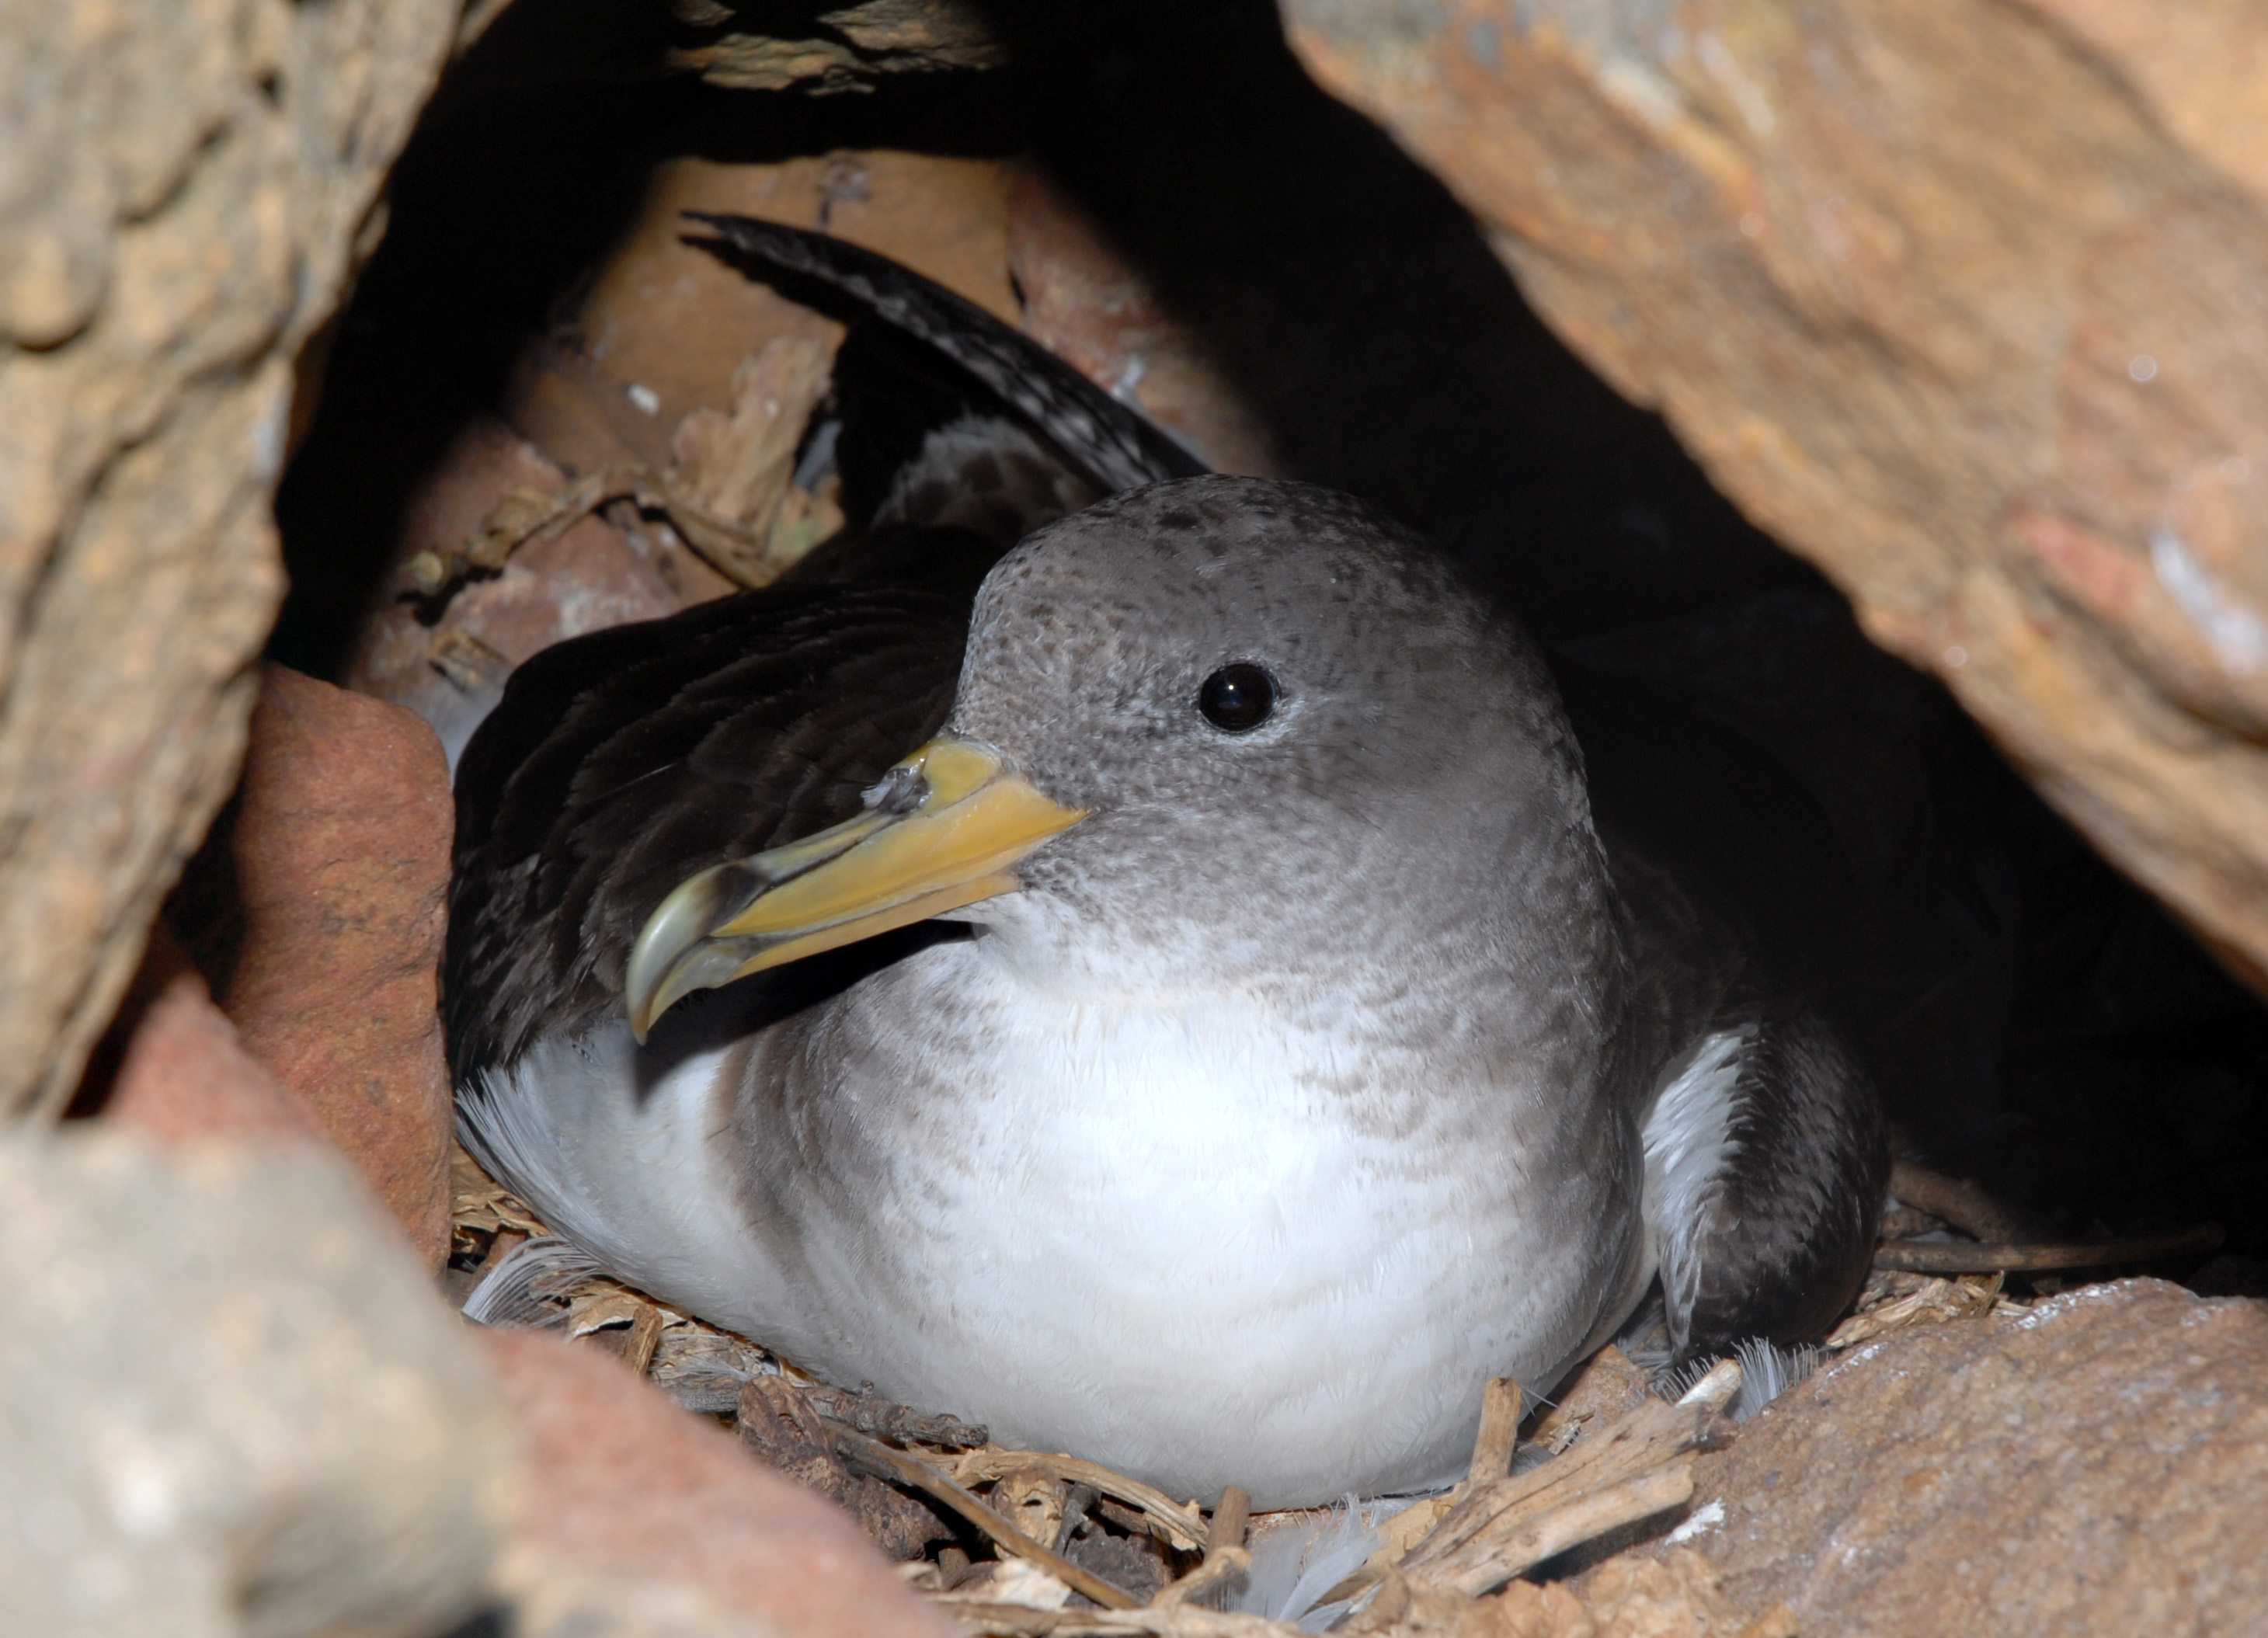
(1238, 697)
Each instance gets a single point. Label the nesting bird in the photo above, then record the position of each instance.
(1146, 977)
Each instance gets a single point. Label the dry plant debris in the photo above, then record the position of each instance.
(780, 1424)
(479, 1206)
(1081, 1549)
(1677, 1597)
(1962, 1257)
(1893, 1299)
(729, 490)
(1630, 1470)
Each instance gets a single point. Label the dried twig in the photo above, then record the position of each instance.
(729, 490)
(886, 1419)
(1639, 1465)
(619, 1321)
(1961, 1257)
(480, 1203)
(1221, 1569)
(934, 1482)
(1502, 1402)
(1501, 1406)
(1178, 1526)
(1226, 1557)
(526, 514)
(1961, 1203)
(1933, 1302)
(1232, 1515)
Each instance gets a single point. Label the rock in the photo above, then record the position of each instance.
(231, 1403)
(621, 1480)
(2099, 1466)
(338, 853)
(589, 576)
(642, 352)
(544, 1597)
(1964, 304)
(186, 192)
(1092, 309)
(185, 1075)
(867, 40)
(636, 368)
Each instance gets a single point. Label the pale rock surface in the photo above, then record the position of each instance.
(184, 191)
(231, 1404)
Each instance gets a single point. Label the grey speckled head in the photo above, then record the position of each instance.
(1414, 796)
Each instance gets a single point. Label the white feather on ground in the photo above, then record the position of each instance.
(1295, 1563)
(1767, 1372)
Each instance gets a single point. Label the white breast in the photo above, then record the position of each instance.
(1197, 1244)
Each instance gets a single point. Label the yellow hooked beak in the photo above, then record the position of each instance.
(970, 817)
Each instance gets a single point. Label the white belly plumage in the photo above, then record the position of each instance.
(1148, 1235)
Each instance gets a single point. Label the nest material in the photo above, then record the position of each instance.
(1024, 1543)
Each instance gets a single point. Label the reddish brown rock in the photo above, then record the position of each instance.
(647, 350)
(340, 849)
(185, 1074)
(617, 385)
(620, 1479)
(2097, 1466)
(590, 577)
(1090, 307)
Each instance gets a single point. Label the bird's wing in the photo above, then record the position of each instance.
(1767, 1163)
(620, 763)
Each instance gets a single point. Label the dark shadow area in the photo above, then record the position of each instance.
(2034, 1021)
(1356, 303)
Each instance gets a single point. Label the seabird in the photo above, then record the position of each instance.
(1122, 954)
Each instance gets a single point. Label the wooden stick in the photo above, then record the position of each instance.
(1961, 1203)
(1182, 1527)
(1487, 1538)
(1230, 1514)
(1220, 1567)
(644, 1338)
(971, 1507)
(1936, 1302)
(1501, 1405)
(1484, 1567)
(1961, 1257)
(1225, 1558)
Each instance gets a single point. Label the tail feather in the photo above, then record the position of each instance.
(1118, 448)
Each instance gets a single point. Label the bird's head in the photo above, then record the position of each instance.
(1232, 726)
